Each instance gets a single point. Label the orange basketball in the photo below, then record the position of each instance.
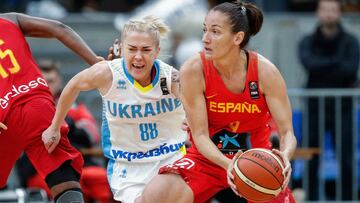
(258, 175)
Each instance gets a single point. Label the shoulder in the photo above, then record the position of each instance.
(162, 64)
(268, 72)
(12, 17)
(192, 65)
(191, 75)
(101, 67)
(265, 67)
(100, 71)
(352, 39)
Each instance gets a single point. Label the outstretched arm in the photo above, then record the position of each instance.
(98, 77)
(45, 28)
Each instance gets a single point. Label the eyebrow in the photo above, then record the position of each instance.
(213, 26)
(145, 47)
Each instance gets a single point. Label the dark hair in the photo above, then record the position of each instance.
(243, 16)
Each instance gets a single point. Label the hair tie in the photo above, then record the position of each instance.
(243, 10)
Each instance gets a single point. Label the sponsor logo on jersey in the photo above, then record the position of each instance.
(254, 90)
(17, 91)
(121, 84)
(123, 173)
(159, 151)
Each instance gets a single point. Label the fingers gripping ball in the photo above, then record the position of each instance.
(258, 175)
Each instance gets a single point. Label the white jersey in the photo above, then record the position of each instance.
(141, 124)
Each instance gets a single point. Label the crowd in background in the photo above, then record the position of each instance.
(130, 5)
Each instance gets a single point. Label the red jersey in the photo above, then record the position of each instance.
(236, 121)
(20, 78)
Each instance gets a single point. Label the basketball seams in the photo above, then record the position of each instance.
(273, 155)
(254, 186)
(263, 168)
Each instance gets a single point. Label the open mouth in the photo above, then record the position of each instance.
(137, 66)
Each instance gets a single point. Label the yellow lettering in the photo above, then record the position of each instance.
(255, 109)
(212, 106)
(10, 54)
(221, 107)
(237, 108)
(246, 107)
(229, 106)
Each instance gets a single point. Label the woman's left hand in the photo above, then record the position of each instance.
(287, 170)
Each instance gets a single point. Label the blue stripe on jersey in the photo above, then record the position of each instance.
(157, 74)
(110, 169)
(129, 77)
(105, 134)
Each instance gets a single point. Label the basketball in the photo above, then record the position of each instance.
(258, 175)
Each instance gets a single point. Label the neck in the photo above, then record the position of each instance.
(148, 80)
(231, 63)
(329, 31)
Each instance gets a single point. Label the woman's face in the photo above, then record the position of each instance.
(139, 51)
(218, 38)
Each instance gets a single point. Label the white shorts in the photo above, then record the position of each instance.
(128, 180)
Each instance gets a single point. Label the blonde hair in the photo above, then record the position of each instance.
(149, 24)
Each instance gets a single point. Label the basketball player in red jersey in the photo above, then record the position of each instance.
(27, 107)
(229, 94)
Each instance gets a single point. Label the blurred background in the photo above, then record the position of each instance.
(286, 22)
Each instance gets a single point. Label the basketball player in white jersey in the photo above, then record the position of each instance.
(142, 115)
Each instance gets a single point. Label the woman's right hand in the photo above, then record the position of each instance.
(230, 176)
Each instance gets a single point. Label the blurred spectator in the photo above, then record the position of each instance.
(13, 5)
(121, 6)
(330, 56)
(80, 5)
(185, 49)
(102, 5)
(46, 8)
(83, 135)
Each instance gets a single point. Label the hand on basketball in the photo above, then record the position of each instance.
(2, 126)
(287, 170)
(51, 138)
(230, 176)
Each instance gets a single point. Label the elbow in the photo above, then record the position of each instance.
(60, 29)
